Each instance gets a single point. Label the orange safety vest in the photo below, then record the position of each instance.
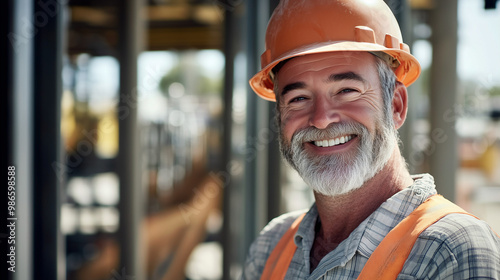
(387, 261)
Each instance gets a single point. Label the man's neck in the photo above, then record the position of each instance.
(340, 215)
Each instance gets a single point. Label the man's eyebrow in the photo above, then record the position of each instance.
(332, 78)
(292, 86)
(345, 76)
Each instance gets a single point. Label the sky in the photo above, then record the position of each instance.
(478, 56)
(479, 41)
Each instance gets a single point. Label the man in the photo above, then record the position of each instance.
(338, 71)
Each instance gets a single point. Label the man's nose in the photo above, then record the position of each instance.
(323, 113)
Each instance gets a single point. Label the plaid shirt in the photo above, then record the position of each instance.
(456, 247)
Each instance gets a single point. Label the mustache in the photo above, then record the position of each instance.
(334, 130)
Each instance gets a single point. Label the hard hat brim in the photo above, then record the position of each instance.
(407, 72)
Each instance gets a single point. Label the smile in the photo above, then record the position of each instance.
(333, 142)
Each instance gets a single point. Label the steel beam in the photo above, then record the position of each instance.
(131, 32)
(48, 242)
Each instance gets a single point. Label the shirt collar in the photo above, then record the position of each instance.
(306, 228)
(393, 211)
(366, 237)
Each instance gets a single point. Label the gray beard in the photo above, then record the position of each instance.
(337, 174)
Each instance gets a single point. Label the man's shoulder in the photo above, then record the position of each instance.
(274, 230)
(281, 223)
(457, 246)
(462, 232)
(266, 241)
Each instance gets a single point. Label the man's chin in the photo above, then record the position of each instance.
(343, 184)
(335, 192)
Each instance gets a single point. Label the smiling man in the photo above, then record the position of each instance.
(338, 71)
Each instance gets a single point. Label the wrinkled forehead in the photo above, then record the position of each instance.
(362, 62)
(317, 62)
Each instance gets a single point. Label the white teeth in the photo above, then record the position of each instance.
(332, 142)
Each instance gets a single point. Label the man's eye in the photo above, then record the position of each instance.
(347, 90)
(296, 99)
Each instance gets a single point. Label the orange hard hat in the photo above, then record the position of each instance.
(301, 27)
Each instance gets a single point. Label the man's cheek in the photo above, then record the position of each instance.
(284, 127)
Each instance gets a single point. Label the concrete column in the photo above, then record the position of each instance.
(442, 151)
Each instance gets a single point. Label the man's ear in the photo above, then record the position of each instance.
(399, 104)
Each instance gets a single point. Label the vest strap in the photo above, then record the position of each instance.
(278, 262)
(387, 261)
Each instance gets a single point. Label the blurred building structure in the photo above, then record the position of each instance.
(140, 151)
